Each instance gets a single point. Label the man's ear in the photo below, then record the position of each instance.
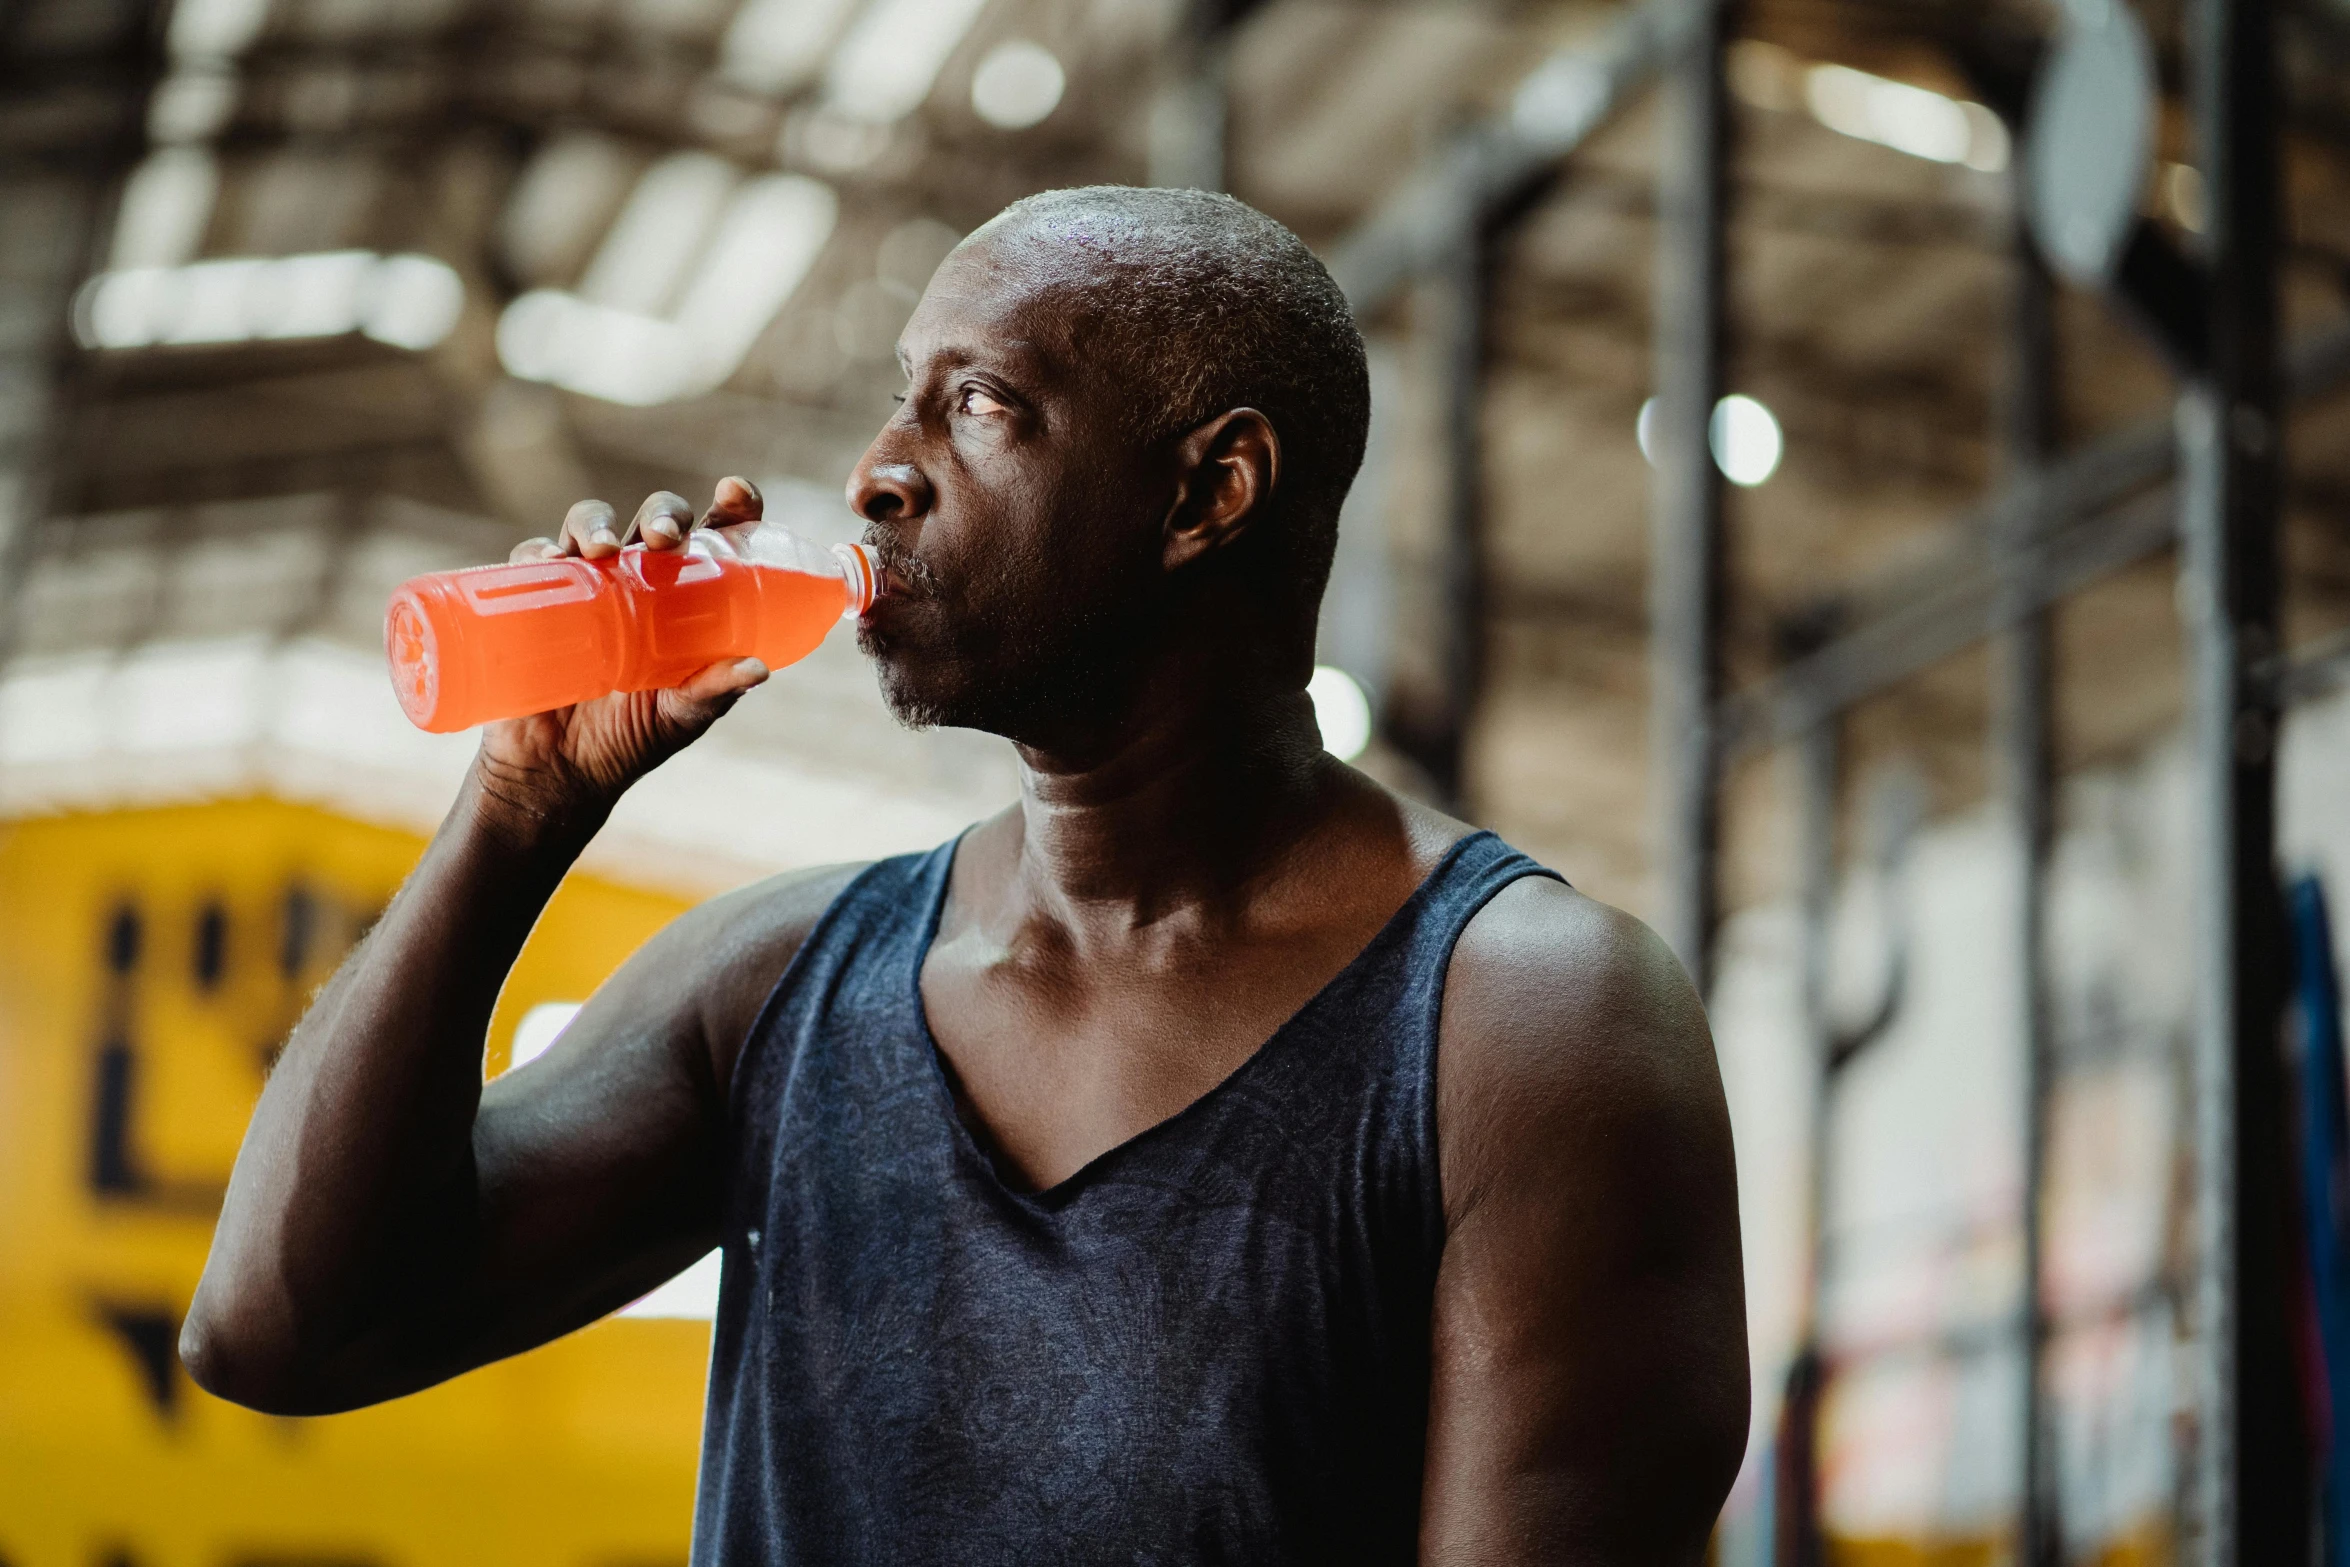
(1225, 471)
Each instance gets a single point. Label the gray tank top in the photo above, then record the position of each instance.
(1210, 1345)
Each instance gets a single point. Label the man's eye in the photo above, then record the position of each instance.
(976, 400)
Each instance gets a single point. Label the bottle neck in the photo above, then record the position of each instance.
(862, 573)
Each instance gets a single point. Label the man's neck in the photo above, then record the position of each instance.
(1186, 808)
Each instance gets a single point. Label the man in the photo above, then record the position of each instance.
(1213, 1158)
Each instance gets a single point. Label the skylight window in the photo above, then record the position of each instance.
(891, 57)
(406, 301)
(662, 228)
(665, 321)
(778, 45)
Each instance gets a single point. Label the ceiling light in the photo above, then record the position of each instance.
(191, 105)
(1744, 434)
(1017, 85)
(221, 302)
(214, 29)
(1560, 100)
(1908, 119)
(618, 355)
(1341, 711)
(416, 302)
(166, 206)
(1746, 440)
(884, 68)
(310, 296)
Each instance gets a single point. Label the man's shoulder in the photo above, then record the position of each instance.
(779, 911)
(1549, 955)
(1564, 1015)
(726, 955)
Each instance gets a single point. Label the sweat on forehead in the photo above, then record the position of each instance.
(1099, 238)
(1141, 293)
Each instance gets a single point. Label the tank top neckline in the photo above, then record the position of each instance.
(1052, 1199)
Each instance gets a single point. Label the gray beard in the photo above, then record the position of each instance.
(1038, 682)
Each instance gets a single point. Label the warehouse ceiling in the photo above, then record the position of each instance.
(358, 287)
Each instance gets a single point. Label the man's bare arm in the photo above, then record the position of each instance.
(391, 1222)
(388, 1223)
(1590, 1379)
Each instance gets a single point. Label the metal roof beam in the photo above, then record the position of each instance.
(2090, 515)
(1489, 168)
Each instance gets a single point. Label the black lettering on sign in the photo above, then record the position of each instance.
(297, 932)
(259, 966)
(209, 955)
(117, 1168)
(114, 1166)
(151, 1336)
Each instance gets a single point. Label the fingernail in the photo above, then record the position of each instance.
(665, 526)
(750, 669)
(600, 534)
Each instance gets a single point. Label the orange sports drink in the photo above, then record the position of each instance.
(494, 642)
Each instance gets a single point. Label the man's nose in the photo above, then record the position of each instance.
(888, 491)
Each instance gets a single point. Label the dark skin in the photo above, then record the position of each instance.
(1186, 867)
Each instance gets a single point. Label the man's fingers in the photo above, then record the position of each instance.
(588, 530)
(541, 548)
(663, 520)
(737, 500)
(727, 677)
(700, 701)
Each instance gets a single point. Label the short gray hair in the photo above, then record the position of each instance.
(1216, 306)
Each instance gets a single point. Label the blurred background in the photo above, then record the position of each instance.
(1864, 484)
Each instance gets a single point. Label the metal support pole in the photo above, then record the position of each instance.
(2023, 767)
(1796, 1506)
(1685, 536)
(2250, 1464)
(1454, 292)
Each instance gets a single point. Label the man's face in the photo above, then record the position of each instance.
(1017, 514)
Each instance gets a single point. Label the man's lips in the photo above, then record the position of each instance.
(900, 578)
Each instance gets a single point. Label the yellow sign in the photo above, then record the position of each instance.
(151, 963)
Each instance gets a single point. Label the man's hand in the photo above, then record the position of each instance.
(572, 763)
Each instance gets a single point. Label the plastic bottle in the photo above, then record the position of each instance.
(495, 642)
